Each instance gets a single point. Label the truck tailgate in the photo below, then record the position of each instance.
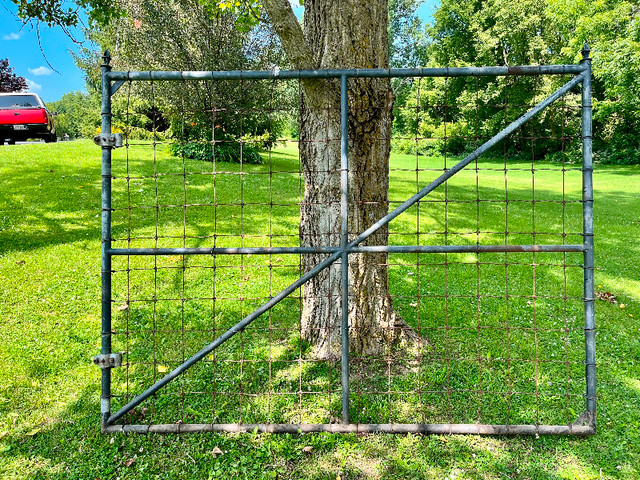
(22, 116)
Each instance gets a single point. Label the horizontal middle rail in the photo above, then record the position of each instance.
(354, 249)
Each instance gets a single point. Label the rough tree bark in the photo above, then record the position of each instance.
(344, 34)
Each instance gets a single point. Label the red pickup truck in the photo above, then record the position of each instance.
(23, 116)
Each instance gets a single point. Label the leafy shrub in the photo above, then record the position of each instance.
(427, 147)
(572, 154)
(224, 152)
(137, 133)
(432, 141)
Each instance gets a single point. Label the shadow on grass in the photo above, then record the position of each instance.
(47, 210)
(72, 447)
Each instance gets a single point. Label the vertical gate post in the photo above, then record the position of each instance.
(344, 241)
(105, 398)
(587, 209)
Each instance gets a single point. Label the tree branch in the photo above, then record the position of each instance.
(288, 29)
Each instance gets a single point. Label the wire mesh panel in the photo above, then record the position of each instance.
(503, 331)
(208, 209)
(210, 185)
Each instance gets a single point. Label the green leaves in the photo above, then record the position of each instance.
(248, 13)
(520, 32)
(67, 14)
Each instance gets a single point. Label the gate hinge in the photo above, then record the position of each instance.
(114, 140)
(108, 360)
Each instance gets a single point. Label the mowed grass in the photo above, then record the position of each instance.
(50, 323)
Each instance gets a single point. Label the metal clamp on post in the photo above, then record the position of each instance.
(114, 140)
(109, 360)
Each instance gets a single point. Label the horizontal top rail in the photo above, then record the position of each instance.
(337, 73)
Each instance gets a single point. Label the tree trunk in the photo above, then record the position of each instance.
(345, 34)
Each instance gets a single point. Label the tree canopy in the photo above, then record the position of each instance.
(489, 32)
(66, 13)
(520, 32)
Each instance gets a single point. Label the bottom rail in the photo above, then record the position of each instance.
(438, 428)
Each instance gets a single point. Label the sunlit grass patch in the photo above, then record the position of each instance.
(50, 319)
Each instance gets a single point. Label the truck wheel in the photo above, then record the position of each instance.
(11, 141)
(51, 138)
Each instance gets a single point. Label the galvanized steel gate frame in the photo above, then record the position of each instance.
(112, 80)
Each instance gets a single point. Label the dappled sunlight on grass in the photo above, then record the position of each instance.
(469, 371)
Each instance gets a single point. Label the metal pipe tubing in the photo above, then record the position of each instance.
(358, 249)
(584, 69)
(466, 248)
(255, 314)
(587, 209)
(399, 428)
(353, 72)
(223, 338)
(344, 240)
(466, 161)
(224, 251)
(105, 396)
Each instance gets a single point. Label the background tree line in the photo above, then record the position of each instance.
(189, 35)
(524, 32)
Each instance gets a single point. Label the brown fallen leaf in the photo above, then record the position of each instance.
(123, 307)
(21, 262)
(607, 297)
(129, 461)
(216, 451)
(307, 449)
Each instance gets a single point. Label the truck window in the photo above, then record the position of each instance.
(19, 101)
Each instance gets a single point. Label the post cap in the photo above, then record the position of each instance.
(586, 51)
(106, 58)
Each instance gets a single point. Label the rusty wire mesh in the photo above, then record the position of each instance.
(503, 332)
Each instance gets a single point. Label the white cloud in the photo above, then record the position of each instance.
(42, 70)
(33, 86)
(12, 36)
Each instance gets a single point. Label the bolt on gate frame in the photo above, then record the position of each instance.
(107, 360)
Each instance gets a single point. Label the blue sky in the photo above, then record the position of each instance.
(20, 45)
(51, 80)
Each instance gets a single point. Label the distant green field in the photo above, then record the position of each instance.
(50, 317)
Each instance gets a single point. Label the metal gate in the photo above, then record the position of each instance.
(500, 361)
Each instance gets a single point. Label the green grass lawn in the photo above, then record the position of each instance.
(50, 323)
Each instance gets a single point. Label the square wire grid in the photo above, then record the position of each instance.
(502, 333)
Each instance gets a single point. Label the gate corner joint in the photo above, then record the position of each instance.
(586, 419)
